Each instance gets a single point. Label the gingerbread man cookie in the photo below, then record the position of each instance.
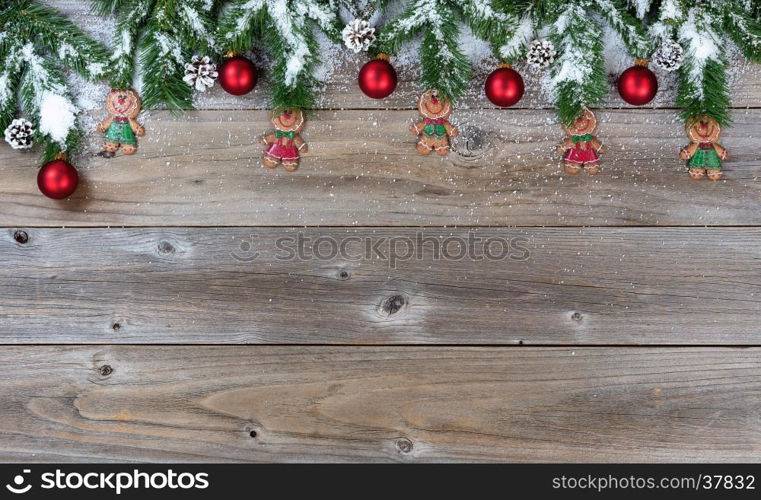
(121, 129)
(581, 148)
(434, 131)
(285, 145)
(704, 154)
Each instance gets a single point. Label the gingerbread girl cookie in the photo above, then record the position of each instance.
(704, 154)
(581, 148)
(285, 145)
(121, 129)
(434, 130)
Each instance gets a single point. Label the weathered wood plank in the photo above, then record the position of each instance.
(249, 285)
(380, 404)
(340, 90)
(362, 169)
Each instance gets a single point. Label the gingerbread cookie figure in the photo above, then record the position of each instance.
(120, 129)
(434, 130)
(581, 148)
(285, 145)
(704, 154)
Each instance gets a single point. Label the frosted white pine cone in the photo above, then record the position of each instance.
(19, 134)
(669, 56)
(541, 53)
(200, 73)
(358, 35)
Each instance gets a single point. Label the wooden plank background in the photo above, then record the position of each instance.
(622, 326)
(405, 404)
(231, 285)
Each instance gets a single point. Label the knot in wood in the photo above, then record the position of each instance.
(577, 316)
(392, 305)
(344, 274)
(106, 370)
(21, 237)
(165, 248)
(404, 445)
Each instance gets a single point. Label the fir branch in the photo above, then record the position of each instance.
(577, 77)
(111, 7)
(10, 77)
(163, 58)
(285, 27)
(128, 26)
(56, 34)
(165, 33)
(703, 86)
(641, 7)
(514, 46)
(44, 97)
(444, 66)
(745, 32)
(491, 23)
(627, 26)
(36, 43)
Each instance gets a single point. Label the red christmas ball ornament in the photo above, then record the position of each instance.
(237, 75)
(58, 179)
(638, 85)
(377, 78)
(504, 86)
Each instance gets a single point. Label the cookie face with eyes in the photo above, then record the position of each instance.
(703, 129)
(434, 107)
(288, 120)
(123, 103)
(585, 124)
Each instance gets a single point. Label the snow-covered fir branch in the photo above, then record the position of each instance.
(515, 45)
(745, 31)
(36, 47)
(627, 26)
(702, 79)
(577, 77)
(285, 27)
(165, 34)
(641, 7)
(438, 23)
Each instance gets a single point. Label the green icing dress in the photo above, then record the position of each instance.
(705, 157)
(120, 131)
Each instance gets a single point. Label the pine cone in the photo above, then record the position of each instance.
(200, 73)
(669, 56)
(541, 53)
(358, 35)
(19, 134)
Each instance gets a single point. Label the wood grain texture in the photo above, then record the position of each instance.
(362, 169)
(244, 285)
(341, 66)
(380, 404)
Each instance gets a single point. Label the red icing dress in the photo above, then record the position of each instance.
(284, 148)
(582, 152)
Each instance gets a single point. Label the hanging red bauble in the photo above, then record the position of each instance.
(504, 86)
(57, 179)
(638, 85)
(377, 78)
(237, 75)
